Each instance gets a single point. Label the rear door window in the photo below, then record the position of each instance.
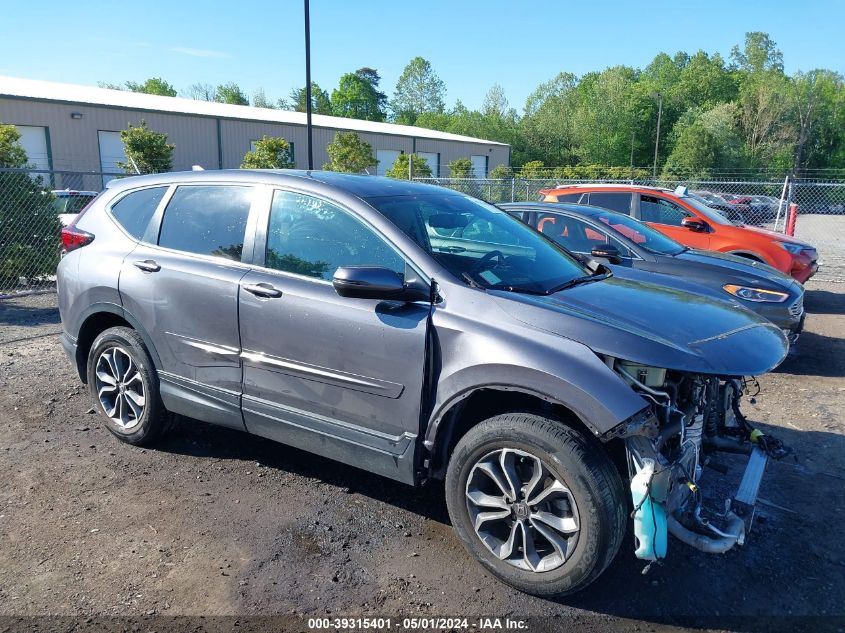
(660, 211)
(207, 220)
(614, 200)
(134, 211)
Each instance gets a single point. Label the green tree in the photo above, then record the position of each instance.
(765, 120)
(230, 93)
(320, 102)
(152, 86)
(145, 149)
(399, 169)
(260, 100)
(29, 227)
(605, 114)
(349, 153)
(358, 97)
(418, 90)
(759, 54)
(461, 168)
(500, 172)
(705, 141)
(546, 130)
(817, 97)
(201, 92)
(271, 152)
(534, 170)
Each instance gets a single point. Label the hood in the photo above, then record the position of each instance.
(780, 237)
(654, 325)
(734, 266)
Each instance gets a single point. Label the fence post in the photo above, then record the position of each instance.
(513, 186)
(526, 191)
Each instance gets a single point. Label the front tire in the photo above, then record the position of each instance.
(123, 380)
(537, 502)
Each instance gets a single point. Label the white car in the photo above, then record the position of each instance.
(69, 203)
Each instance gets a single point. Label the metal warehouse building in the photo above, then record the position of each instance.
(67, 127)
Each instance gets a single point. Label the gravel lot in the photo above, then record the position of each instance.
(215, 522)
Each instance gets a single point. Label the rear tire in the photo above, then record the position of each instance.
(123, 380)
(563, 540)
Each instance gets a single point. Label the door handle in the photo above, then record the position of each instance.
(148, 266)
(263, 290)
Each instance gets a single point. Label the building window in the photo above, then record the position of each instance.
(479, 165)
(291, 149)
(111, 153)
(433, 160)
(386, 158)
(36, 144)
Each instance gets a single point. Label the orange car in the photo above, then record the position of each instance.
(692, 223)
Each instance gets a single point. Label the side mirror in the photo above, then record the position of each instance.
(608, 252)
(694, 224)
(374, 282)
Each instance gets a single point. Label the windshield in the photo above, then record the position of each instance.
(480, 244)
(70, 204)
(641, 234)
(703, 209)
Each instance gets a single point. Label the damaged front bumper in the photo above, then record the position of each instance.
(693, 419)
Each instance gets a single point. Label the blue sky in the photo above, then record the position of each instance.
(259, 43)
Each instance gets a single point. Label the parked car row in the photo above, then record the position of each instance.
(560, 370)
(686, 219)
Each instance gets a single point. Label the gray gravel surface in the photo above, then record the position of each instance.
(215, 522)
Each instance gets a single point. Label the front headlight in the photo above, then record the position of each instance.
(758, 295)
(795, 249)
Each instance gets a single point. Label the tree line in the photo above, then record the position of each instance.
(740, 115)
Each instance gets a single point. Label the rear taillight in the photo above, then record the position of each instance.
(73, 238)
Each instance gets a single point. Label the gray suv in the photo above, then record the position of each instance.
(421, 334)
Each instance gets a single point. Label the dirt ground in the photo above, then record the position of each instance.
(214, 522)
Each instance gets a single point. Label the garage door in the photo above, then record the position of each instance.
(386, 158)
(111, 153)
(34, 142)
(479, 166)
(433, 160)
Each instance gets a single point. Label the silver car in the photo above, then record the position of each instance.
(421, 334)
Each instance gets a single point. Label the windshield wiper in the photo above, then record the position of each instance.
(472, 282)
(576, 282)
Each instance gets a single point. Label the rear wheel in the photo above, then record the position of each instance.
(123, 381)
(538, 503)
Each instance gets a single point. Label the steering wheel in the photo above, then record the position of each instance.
(484, 262)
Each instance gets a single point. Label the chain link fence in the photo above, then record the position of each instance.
(34, 205)
(819, 206)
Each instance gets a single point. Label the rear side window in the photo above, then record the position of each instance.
(613, 200)
(570, 197)
(207, 220)
(135, 210)
(660, 211)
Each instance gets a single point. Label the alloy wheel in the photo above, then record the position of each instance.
(120, 387)
(521, 510)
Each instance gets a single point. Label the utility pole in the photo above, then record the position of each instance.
(308, 84)
(632, 157)
(657, 137)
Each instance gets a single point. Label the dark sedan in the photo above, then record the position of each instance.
(636, 251)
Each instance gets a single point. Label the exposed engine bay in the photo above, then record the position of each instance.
(693, 418)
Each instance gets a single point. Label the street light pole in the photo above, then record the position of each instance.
(657, 137)
(308, 84)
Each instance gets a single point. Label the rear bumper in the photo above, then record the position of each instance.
(69, 345)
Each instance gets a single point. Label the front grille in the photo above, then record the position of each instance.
(797, 308)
